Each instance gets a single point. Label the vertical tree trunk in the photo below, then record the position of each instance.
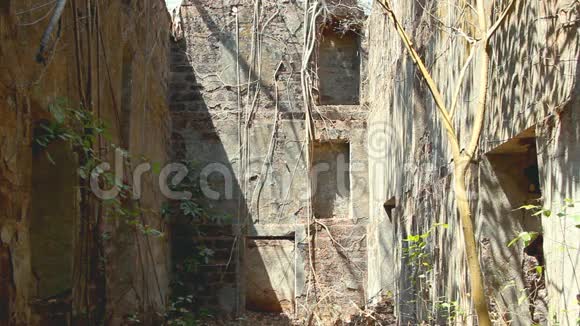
(475, 274)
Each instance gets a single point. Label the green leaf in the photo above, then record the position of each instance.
(529, 207)
(57, 112)
(514, 241)
(412, 238)
(156, 168)
(576, 218)
(544, 211)
(82, 173)
(526, 238)
(48, 129)
(154, 233)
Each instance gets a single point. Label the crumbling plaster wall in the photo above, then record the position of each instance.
(533, 73)
(26, 90)
(268, 189)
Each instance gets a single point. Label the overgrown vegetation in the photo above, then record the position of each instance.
(420, 260)
(81, 129)
(539, 211)
(186, 216)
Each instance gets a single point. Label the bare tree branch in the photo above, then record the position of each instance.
(446, 119)
(484, 65)
(459, 82)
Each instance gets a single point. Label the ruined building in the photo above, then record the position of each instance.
(284, 162)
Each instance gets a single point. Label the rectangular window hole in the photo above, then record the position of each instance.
(330, 173)
(338, 67)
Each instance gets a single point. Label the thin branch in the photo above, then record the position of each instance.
(35, 8)
(466, 36)
(445, 117)
(34, 22)
(484, 64)
(459, 82)
(503, 16)
(454, 29)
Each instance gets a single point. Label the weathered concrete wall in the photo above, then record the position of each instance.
(237, 109)
(558, 145)
(139, 33)
(533, 73)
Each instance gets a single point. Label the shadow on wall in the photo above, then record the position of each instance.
(508, 180)
(212, 255)
(529, 73)
(542, 77)
(332, 191)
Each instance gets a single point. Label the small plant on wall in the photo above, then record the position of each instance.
(187, 217)
(539, 211)
(568, 204)
(421, 261)
(416, 251)
(81, 129)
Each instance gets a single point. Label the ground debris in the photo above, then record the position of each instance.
(253, 318)
(382, 313)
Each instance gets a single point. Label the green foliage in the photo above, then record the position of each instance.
(420, 260)
(81, 129)
(563, 213)
(539, 270)
(179, 316)
(147, 229)
(416, 252)
(190, 208)
(525, 237)
(184, 310)
(449, 310)
(179, 313)
(187, 215)
(537, 210)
